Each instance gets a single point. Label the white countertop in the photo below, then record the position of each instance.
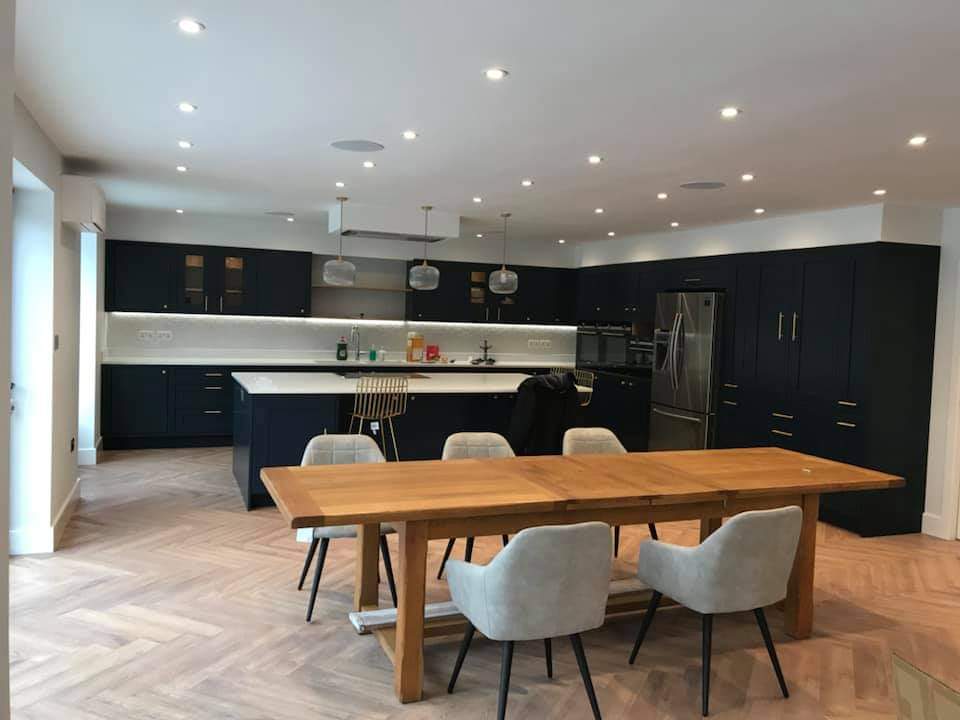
(319, 362)
(317, 383)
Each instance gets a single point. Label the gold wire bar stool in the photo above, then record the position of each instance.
(584, 378)
(379, 399)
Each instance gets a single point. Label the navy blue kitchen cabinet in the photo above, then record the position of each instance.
(158, 277)
(139, 277)
(135, 401)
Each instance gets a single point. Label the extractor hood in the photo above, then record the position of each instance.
(392, 223)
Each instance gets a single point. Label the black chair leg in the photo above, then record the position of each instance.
(506, 662)
(548, 654)
(306, 563)
(464, 646)
(446, 556)
(616, 541)
(585, 674)
(388, 566)
(771, 650)
(505, 538)
(316, 577)
(707, 646)
(468, 553)
(645, 624)
(653, 531)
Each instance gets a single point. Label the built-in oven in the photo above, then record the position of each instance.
(613, 347)
(588, 346)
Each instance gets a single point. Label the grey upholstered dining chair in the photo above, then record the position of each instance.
(548, 582)
(472, 445)
(745, 565)
(598, 441)
(341, 450)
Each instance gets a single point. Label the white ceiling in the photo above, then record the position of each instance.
(831, 92)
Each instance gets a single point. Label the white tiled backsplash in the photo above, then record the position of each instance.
(132, 335)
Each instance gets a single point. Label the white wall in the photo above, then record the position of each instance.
(40, 156)
(92, 324)
(860, 224)
(942, 500)
(150, 225)
(6, 220)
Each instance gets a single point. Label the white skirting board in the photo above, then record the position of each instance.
(369, 620)
(44, 539)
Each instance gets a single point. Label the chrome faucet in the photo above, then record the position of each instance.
(355, 341)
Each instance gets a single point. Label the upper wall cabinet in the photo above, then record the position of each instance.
(154, 277)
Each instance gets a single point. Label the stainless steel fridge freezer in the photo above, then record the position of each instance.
(683, 391)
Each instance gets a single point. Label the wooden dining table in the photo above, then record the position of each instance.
(439, 499)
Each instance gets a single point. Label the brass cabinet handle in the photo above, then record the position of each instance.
(784, 433)
(213, 412)
(793, 335)
(221, 303)
(846, 403)
(730, 402)
(204, 303)
(691, 280)
(213, 387)
(779, 327)
(843, 423)
(782, 416)
(213, 374)
(730, 386)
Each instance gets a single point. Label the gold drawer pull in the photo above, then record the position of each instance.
(846, 403)
(783, 416)
(213, 412)
(784, 433)
(845, 424)
(730, 386)
(730, 402)
(213, 387)
(213, 374)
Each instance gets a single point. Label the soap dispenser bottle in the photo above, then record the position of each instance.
(342, 348)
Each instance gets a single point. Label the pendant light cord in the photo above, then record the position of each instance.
(504, 265)
(426, 213)
(340, 251)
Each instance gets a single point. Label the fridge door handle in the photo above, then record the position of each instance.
(795, 334)
(779, 327)
(678, 349)
(672, 350)
(675, 416)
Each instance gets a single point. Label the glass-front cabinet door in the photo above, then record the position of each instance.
(193, 280)
(236, 287)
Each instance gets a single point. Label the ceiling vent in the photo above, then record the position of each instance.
(704, 185)
(390, 223)
(384, 235)
(357, 145)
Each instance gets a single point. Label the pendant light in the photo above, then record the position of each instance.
(503, 281)
(423, 276)
(340, 272)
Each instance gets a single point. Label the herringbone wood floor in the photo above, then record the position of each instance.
(169, 601)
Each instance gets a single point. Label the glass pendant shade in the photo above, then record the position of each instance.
(424, 277)
(339, 272)
(503, 281)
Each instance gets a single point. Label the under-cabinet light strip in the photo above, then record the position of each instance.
(340, 321)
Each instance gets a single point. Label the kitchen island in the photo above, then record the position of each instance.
(276, 413)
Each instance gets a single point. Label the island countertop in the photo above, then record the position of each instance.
(321, 383)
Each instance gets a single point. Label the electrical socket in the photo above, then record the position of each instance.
(146, 336)
(164, 336)
(539, 344)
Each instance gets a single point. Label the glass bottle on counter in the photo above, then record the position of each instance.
(342, 348)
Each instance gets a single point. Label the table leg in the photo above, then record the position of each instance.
(708, 526)
(366, 591)
(798, 608)
(408, 660)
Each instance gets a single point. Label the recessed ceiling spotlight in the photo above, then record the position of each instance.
(526, 182)
(369, 164)
(918, 141)
(879, 192)
(662, 196)
(186, 107)
(674, 224)
(179, 211)
(598, 211)
(340, 183)
(747, 177)
(561, 241)
(479, 234)
(184, 144)
(478, 199)
(595, 159)
(290, 218)
(181, 168)
(495, 73)
(759, 211)
(191, 26)
(730, 112)
(611, 234)
(409, 134)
